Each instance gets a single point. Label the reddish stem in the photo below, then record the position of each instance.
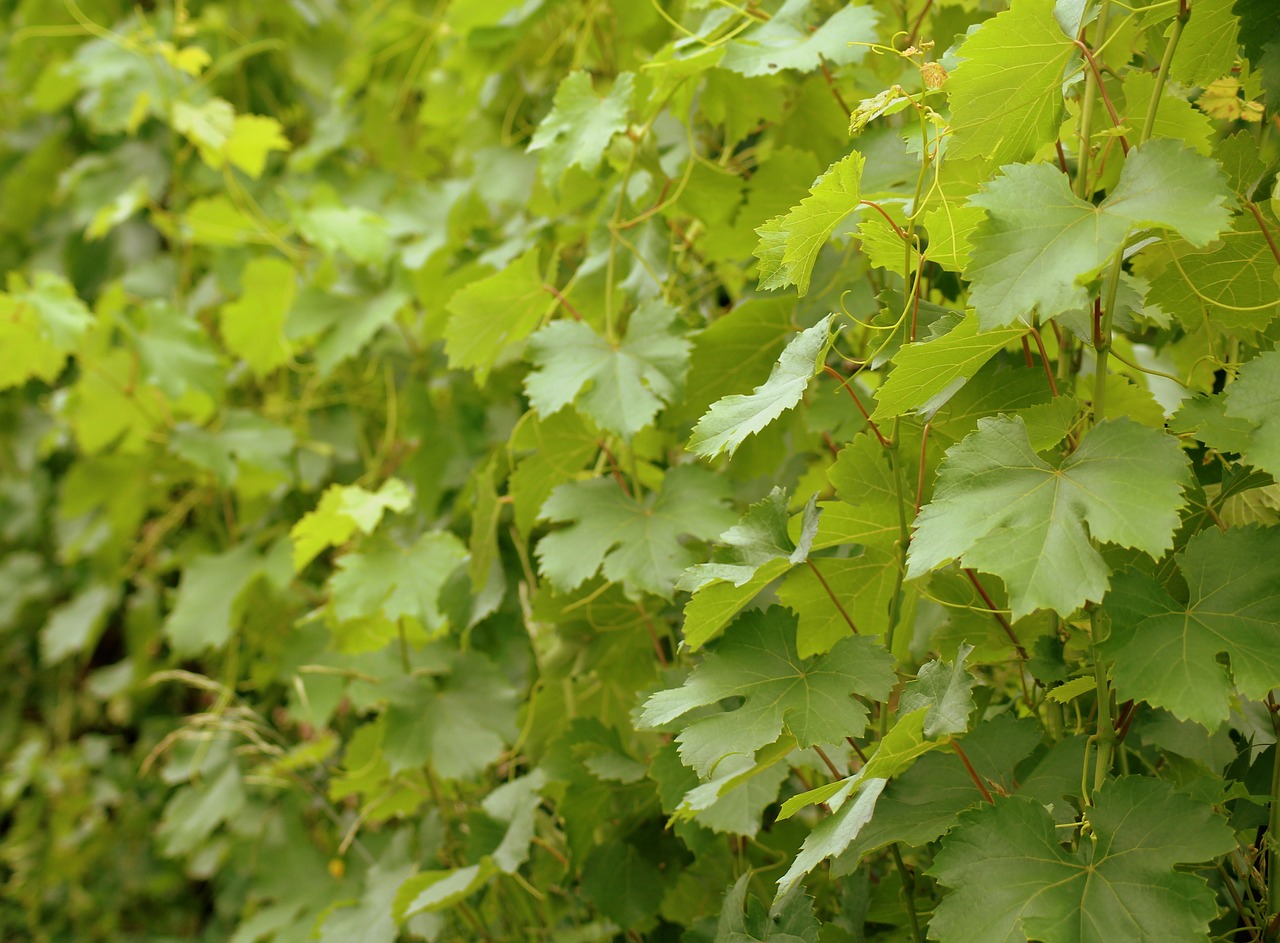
(973, 774)
(1102, 89)
(555, 292)
(827, 586)
(996, 613)
(857, 402)
(1044, 359)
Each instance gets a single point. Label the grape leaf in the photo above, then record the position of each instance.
(1233, 283)
(736, 352)
(634, 542)
(1255, 396)
(581, 124)
(491, 315)
(1166, 651)
(945, 691)
(621, 386)
(1209, 44)
(926, 374)
(1006, 95)
(343, 509)
(757, 660)
(360, 234)
(756, 550)
(205, 613)
(831, 592)
(560, 446)
(253, 326)
(1040, 242)
(40, 325)
(790, 243)
(833, 834)
(1011, 513)
(743, 920)
(252, 138)
(788, 40)
(729, 421)
(1012, 880)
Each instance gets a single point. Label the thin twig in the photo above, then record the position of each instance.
(973, 774)
(857, 402)
(825, 585)
(996, 613)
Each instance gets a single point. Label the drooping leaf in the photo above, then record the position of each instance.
(1012, 880)
(1166, 651)
(833, 834)
(789, 244)
(634, 542)
(1040, 242)
(757, 660)
(1006, 96)
(621, 386)
(731, 420)
(1009, 512)
(945, 691)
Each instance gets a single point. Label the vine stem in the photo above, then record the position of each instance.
(1273, 821)
(834, 598)
(1085, 128)
(1106, 736)
(1103, 340)
(908, 893)
(1162, 76)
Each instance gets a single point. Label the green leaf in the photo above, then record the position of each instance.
(634, 542)
(833, 834)
(925, 375)
(40, 325)
(1006, 96)
(207, 126)
(1255, 396)
(1168, 652)
(729, 421)
(1040, 243)
(204, 615)
(360, 234)
(581, 124)
(1233, 283)
(789, 244)
(621, 386)
(1013, 880)
(1209, 44)
(945, 691)
(832, 591)
(789, 40)
(252, 138)
(756, 550)
(253, 327)
(736, 352)
(1029, 521)
(490, 316)
(561, 446)
(342, 510)
(75, 626)
(812, 701)
(459, 723)
(744, 920)
(386, 581)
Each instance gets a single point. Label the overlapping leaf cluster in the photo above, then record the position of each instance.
(495, 470)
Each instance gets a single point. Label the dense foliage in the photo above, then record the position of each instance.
(686, 471)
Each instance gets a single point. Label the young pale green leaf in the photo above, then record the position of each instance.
(634, 542)
(620, 386)
(757, 660)
(730, 420)
(926, 374)
(1011, 513)
(581, 124)
(1006, 96)
(1012, 879)
(789, 244)
(1040, 243)
(734, 798)
(1167, 652)
(490, 316)
(1255, 396)
(736, 352)
(343, 509)
(789, 40)
(253, 326)
(252, 138)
